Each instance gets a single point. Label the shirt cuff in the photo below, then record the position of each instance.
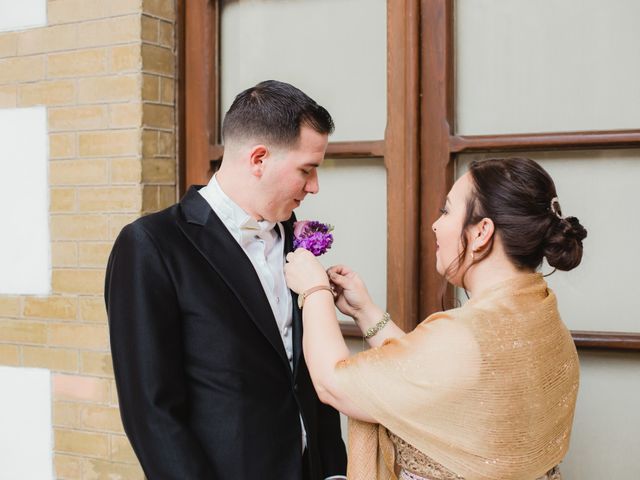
(336, 477)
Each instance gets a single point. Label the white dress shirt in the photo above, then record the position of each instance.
(265, 249)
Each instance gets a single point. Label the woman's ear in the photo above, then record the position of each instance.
(482, 233)
(257, 157)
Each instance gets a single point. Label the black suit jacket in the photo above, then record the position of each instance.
(204, 384)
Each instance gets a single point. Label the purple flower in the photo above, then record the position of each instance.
(313, 236)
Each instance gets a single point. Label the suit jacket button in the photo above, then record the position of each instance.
(295, 387)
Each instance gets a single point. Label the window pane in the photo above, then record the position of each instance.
(532, 66)
(606, 419)
(333, 50)
(353, 199)
(601, 189)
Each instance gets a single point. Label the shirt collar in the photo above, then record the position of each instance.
(232, 212)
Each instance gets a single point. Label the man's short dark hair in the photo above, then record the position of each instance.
(273, 112)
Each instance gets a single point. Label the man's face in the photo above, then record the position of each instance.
(291, 174)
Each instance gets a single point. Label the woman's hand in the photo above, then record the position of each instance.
(352, 296)
(303, 271)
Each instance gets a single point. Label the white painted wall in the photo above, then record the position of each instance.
(25, 424)
(23, 14)
(333, 50)
(25, 263)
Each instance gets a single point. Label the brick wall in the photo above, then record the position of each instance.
(105, 70)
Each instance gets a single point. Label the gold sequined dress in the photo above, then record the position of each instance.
(482, 392)
(415, 465)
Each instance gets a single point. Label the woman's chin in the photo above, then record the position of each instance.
(455, 281)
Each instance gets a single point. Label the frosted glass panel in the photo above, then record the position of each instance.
(540, 66)
(605, 427)
(601, 189)
(333, 50)
(353, 199)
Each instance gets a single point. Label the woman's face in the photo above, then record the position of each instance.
(448, 228)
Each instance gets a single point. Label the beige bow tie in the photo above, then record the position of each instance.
(254, 230)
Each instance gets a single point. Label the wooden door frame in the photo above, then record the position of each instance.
(198, 34)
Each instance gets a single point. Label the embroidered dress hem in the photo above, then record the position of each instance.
(553, 474)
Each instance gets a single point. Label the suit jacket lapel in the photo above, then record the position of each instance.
(211, 238)
(297, 313)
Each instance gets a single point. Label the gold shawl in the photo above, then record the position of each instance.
(487, 390)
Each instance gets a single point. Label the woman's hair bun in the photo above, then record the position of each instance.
(563, 246)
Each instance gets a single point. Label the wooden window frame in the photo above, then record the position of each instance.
(441, 146)
(199, 134)
(199, 95)
(419, 147)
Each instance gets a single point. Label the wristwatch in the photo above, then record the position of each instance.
(302, 297)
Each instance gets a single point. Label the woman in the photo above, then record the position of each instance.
(485, 391)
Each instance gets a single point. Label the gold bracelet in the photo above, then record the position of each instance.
(303, 296)
(378, 326)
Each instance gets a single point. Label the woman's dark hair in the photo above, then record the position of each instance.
(519, 196)
(273, 112)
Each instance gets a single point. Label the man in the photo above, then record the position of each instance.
(205, 335)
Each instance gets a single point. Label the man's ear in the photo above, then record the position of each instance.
(258, 155)
(482, 233)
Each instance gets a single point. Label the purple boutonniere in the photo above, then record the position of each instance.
(313, 236)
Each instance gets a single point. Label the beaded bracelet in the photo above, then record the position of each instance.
(378, 326)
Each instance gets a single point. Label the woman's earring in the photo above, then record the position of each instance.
(473, 251)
